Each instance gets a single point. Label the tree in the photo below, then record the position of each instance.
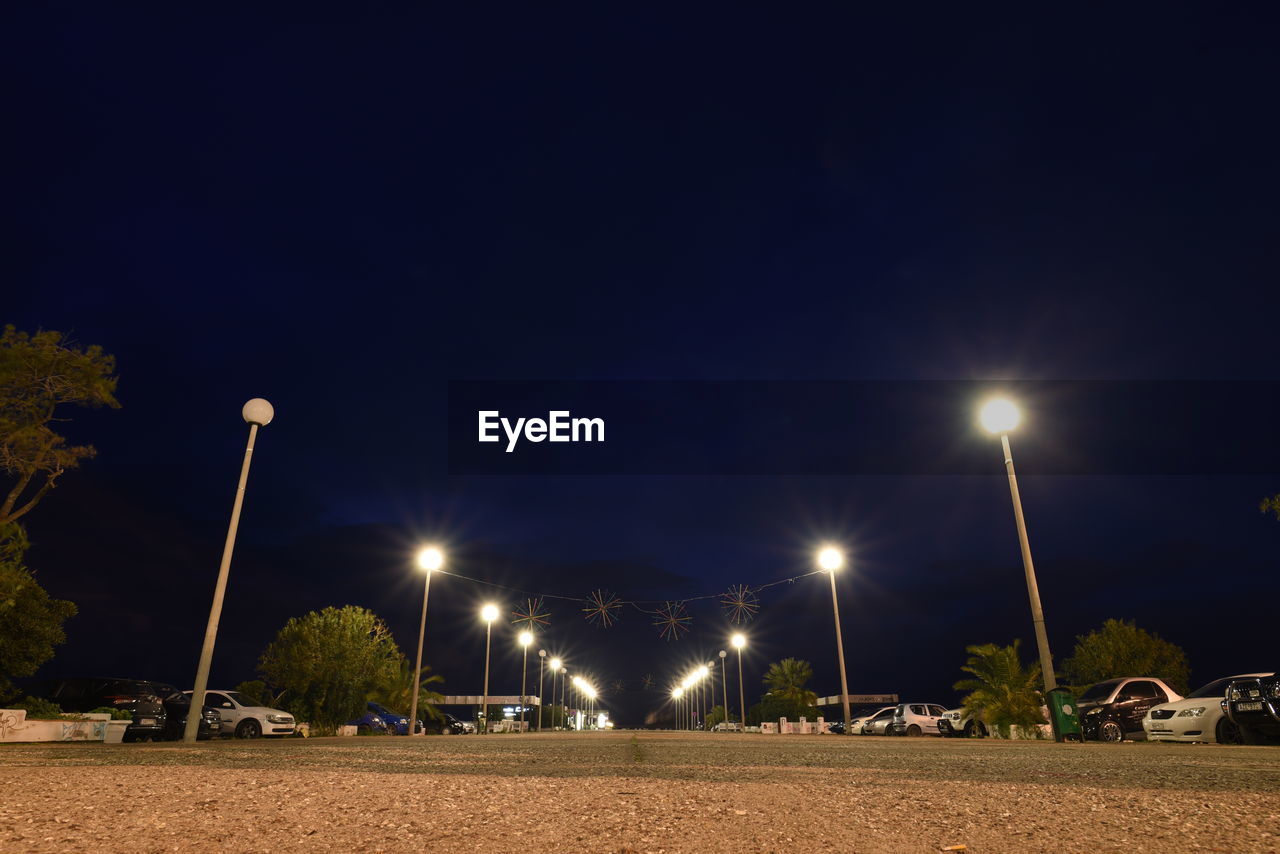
(788, 678)
(30, 620)
(41, 375)
(715, 716)
(397, 695)
(1271, 505)
(1002, 693)
(1120, 648)
(328, 663)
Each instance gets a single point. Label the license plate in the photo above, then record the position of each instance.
(1249, 707)
(147, 722)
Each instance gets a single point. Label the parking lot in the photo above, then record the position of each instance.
(639, 792)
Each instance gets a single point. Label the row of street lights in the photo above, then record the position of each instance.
(999, 416)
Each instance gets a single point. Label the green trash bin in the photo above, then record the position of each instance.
(1064, 715)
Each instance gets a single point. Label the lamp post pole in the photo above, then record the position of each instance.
(1001, 416)
(258, 413)
(525, 639)
(739, 641)
(489, 613)
(724, 684)
(542, 670)
(429, 559)
(832, 559)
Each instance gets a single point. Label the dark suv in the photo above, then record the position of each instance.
(1113, 710)
(1253, 705)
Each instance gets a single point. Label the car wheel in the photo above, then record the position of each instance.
(974, 729)
(1227, 732)
(913, 730)
(248, 728)
(1110, 731)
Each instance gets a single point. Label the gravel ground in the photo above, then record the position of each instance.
(639, 792)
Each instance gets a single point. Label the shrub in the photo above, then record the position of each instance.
(39, 708)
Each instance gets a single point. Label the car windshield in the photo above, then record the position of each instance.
(237, 699)
(1100, 691)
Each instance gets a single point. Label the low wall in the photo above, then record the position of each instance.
(14, 727)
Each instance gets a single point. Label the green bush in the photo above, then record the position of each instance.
(40, 709)
(116, 714)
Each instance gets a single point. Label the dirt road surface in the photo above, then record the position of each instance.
(639, 792)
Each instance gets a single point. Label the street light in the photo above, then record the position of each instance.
(702, 673)
(429, 560)
(831, 559)
(1000, 415)
(724, 683)
(739, 641)
(676, 694)
(556, 667)
(258, 413)
(542, 669)
(488, 613)
(525, 639)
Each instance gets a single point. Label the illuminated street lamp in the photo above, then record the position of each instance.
(542, 670)
(702, 673)
(429, 560)
(676, 694)
(831, 559)
(258, 413)
(724, 683)
(1000, 415)
(525, 639)
(557, 666)
(488, 613)
(739, 641)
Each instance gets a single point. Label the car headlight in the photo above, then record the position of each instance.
(1233, 693)
(1191, 713)
(1095, 711)
(280, 719)
(1274, 690)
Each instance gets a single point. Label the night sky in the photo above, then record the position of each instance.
(358, 217)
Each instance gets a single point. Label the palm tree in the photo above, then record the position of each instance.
(1003, 692)
(786, 679)
(398, 694)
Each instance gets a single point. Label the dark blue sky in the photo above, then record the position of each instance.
(344, 215)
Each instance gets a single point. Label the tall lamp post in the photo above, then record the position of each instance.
(703, 672)
(258, 413)
(739, 641)
(724, 684)
(675, 697)
(488, 613)
(525, 639)
(429, 560)
(556, 666)
(832, 559)
(542, 670)
(1001, 416)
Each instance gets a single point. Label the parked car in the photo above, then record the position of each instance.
(957, 723)
(398, 723)
(1196, 717)
(1113, 710)
(880, 723)
(82, 694)
(176, 706)
(372, 722)
(856, 724)
(1253, 705)
(917, 719)
(242, 719)
(734, 726)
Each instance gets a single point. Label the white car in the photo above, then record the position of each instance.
(958, 723)
(856, 725)
(243, 720)
(917, 719)
(1196, 717)
(879, 723)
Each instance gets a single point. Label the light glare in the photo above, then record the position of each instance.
(430, 558)
(489, 613)
(739, 641)
(999, 415)
(525, 638)
(831, 558)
